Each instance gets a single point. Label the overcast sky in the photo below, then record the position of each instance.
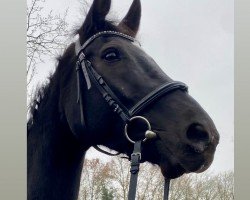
(192, 40)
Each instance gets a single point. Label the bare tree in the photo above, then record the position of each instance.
(121, 174)
(150, 183)
(46, 33)
(225, 185)
(96, 180)
(205, 186)
(110, 181)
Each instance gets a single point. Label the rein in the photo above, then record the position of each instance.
(126, 114)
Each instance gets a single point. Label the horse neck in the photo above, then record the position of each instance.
(55, 158)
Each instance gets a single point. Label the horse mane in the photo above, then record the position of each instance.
(42, 92)
(38, 96)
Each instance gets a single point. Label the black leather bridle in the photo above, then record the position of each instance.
(127, 114)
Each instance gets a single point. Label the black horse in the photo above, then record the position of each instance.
(58, 137)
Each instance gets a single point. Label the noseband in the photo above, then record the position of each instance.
(126, 114)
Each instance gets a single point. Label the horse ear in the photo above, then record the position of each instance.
(95, 19)
(100, 9)
(131, 22)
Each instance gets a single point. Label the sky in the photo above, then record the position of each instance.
(193, 42)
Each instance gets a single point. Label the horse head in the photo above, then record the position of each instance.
(186, 136)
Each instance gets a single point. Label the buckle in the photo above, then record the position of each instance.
(81, 56)
(135, 155)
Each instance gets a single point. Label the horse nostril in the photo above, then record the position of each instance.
(196, 133)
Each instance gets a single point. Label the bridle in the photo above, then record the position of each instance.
(126, 114)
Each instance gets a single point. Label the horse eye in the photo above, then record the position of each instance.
(112, 56)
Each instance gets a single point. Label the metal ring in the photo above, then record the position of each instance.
(126, 127)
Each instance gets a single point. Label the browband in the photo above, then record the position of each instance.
(79, 47)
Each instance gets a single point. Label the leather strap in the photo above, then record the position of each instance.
(166, 189)
(134, 169)
(105, 152)
(155, 94)
(108, 95)
(79, 94)
(79, 47)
